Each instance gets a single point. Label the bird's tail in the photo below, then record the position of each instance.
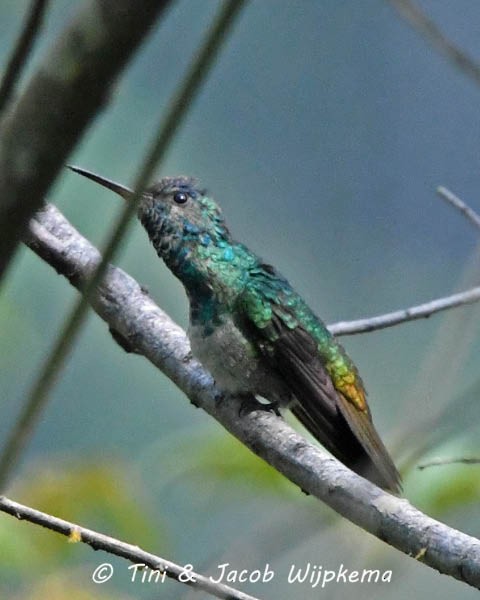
(352, 438)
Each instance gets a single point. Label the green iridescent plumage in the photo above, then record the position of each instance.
(253, 332)
(267, 294)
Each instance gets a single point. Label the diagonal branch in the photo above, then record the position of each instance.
(127, 309)
(459, 204)
(420, 21)
(179, 105)
(63, 96)
(99, 541)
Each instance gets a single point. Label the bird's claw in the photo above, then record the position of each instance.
(248, 404)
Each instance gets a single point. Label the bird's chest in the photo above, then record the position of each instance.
(227, 354)
(231, 358)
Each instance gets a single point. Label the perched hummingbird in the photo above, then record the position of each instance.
(252, 330)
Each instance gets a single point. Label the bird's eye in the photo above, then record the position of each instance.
(180, 197)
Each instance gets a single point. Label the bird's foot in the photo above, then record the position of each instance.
(247, 402)
(248, 405)
(273, 407)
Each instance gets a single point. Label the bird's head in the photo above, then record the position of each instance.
(174, 211)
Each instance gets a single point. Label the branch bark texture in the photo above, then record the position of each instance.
(70, 86)
(131, 313)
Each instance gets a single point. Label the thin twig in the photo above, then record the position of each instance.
(458, 416)
(440, 462)
(22, 49)
(178, 108)
(420, 21)
(460, 205)
(131, 313)
(421, 311)
(140, 558)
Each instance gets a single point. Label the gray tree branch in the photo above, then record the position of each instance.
(131, 313)
(177, 110)
(421, 311)
(457, 203)
(99, 541)
(68, 89)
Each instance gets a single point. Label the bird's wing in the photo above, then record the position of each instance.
(331, 401)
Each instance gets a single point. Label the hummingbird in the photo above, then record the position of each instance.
(253, 332)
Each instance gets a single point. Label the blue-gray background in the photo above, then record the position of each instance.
(323, 131)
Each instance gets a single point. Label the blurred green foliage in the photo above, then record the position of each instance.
(103, 494)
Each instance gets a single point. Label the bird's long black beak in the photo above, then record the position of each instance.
(121, 190)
